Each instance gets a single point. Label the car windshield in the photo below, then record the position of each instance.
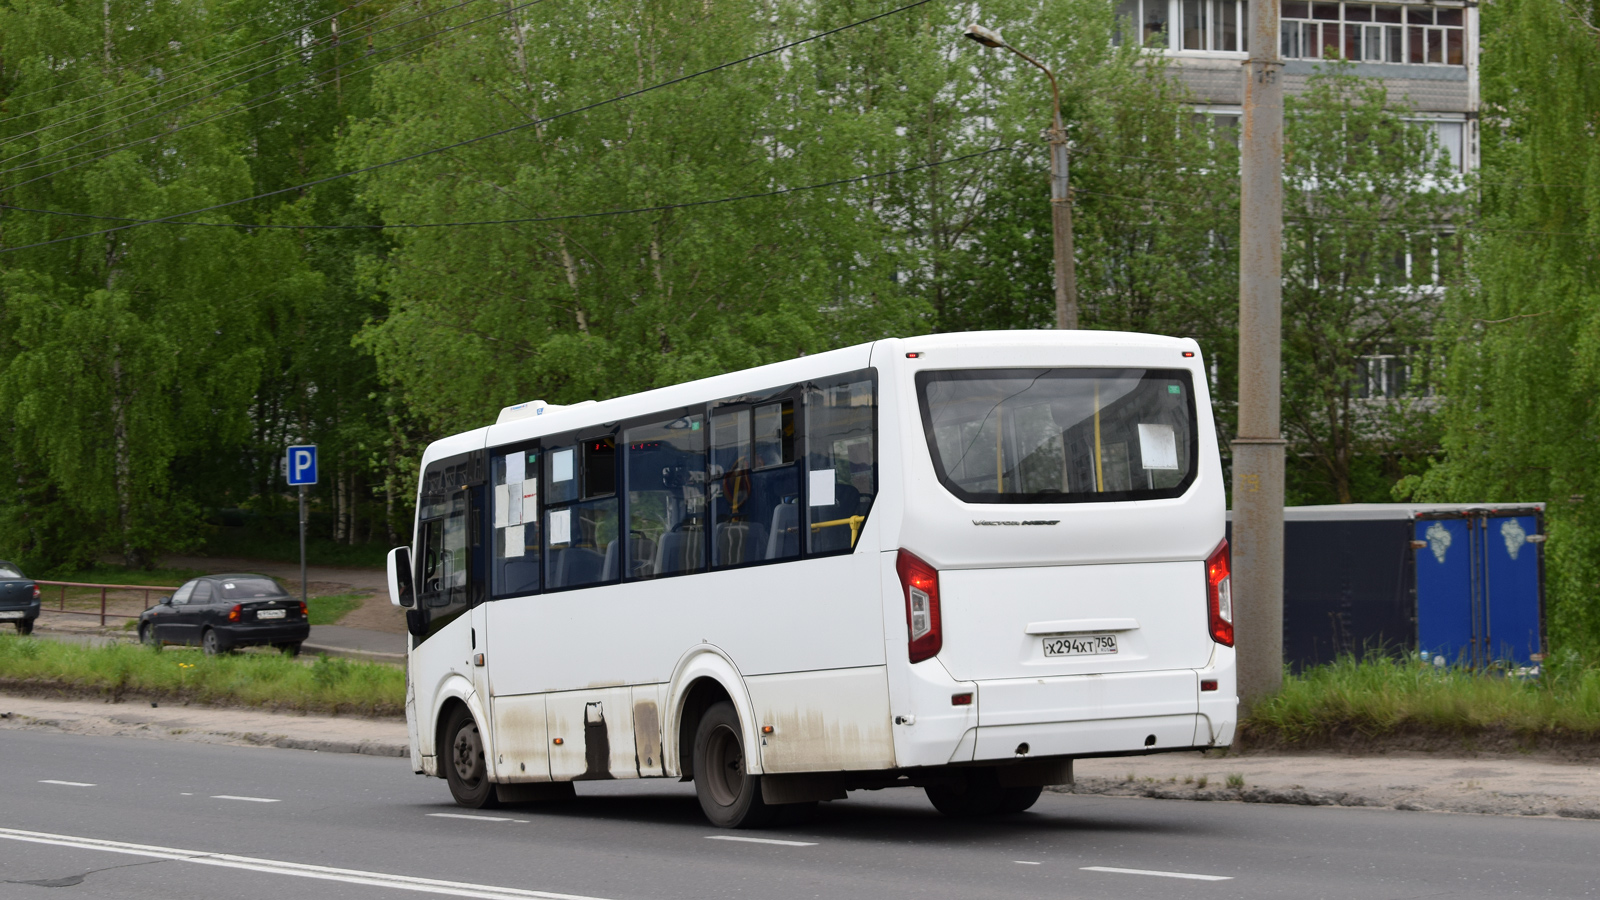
(9, 571)
(1060, 435)
(252, 588)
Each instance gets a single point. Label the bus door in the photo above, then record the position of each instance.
(448, 578)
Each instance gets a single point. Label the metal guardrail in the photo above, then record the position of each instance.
(62, 607)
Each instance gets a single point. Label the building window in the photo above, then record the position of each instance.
(1366, 32)
(1384, 374)
(1220, 25)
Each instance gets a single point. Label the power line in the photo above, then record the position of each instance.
(524, 219)
(199, 64)
(158, 112)
(540, 121)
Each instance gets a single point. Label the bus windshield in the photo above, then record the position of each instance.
(1060, 435)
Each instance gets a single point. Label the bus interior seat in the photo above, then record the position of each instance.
(575, 566)
(740, 542)
(641, 561)
(680, 551)
(783, 541)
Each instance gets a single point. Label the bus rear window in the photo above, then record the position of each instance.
(1060, 435)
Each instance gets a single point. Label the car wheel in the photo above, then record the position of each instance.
(465, 765)
(291, 649)
(147, 637)
(212, 643)
(975, 792)
(729, 795)
(24, 626)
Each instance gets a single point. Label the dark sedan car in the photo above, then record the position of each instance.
(19, 598)
(223, 612)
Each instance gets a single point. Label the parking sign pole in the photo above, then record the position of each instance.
(302, 543)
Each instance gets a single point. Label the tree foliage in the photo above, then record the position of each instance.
(1522, 337)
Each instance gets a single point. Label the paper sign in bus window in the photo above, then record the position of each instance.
(561, 526)
(561, 466)
(1158, 447)
(530, 500)
(822, 484)
(516, 467)
(502, 493)
(513, 503)
(514, 545)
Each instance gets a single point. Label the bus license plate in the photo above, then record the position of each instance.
(270, 614)
(1087, 645)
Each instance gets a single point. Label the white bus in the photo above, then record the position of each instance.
(956, 562)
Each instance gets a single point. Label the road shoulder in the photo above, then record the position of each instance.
(209, 725)
(1485, 784)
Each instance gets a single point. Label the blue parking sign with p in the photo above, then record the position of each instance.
(302, 465)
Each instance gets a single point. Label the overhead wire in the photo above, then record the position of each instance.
(562, 217)
(473, 140)
(156, 112)
(182, 72)
(149, 56)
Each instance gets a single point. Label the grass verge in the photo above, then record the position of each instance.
(1378, 702)
(330, 609)
(263, 680)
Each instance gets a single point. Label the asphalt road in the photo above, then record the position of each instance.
(127, 818)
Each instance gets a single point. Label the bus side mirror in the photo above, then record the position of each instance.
(401, 592)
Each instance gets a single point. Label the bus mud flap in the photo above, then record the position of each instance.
(777, 790)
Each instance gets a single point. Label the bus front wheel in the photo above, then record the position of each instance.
(465, 766)
(729, 795)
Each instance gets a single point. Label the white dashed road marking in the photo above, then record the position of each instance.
(473, 818)
(245, 799)
(751, 840)
(280, 867)
(1189, 875)
(67, 783)
(1024, 862)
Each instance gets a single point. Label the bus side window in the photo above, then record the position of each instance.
(755, 485)
(515, 497)
(666, 471)
(580, 524)
(841, 461)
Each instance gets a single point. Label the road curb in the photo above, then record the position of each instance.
(348, 653)
(363, 748)
(1498, 805)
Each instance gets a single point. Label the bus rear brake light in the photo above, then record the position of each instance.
(920, 582)
(1219, 595)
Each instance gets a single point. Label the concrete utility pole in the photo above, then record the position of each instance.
(1257, 570)
(1060, 189)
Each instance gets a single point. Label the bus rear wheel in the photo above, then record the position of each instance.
(974, 792)
(729, 795)
(466, 767)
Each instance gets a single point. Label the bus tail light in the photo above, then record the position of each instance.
(1219, 595)
(920, 582)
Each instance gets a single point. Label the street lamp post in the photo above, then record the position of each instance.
(1060, 190)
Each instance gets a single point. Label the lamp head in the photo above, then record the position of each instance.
(984, 36)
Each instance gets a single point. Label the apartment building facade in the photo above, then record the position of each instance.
(1425, 53)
